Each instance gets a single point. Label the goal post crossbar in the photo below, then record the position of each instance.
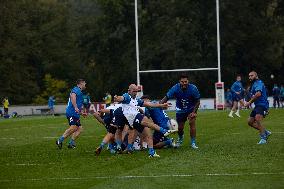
(177, 70)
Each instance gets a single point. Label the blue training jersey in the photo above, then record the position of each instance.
(258, 85)
(185, 99)
(158, 116)
(237, 87)
(70, 110)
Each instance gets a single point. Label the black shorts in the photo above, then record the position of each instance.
(74, 121)
(158, 137)
(259, 110)
(137, 123)
(119, 119)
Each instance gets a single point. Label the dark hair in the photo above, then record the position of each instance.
(145, 97)
(79, 81)
(183, 75)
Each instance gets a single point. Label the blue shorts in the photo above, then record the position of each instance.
(165, 124)
(182, 117)
(259, 110)
(119, 119)
(73, 121)
(137, 123)
(236, 97)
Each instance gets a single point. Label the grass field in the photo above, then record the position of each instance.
(228, 157)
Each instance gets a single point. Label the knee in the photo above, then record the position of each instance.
(250, 122)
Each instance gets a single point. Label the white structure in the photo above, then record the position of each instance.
(220, 99)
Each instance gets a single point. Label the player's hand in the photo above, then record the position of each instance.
(166, 105)
(192, 115)
(77, 110)
(246, 104)
(115, 98)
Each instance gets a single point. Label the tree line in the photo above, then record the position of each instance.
(45, 45)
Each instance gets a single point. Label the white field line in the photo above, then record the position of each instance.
(143, 176)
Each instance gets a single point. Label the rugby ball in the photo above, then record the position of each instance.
(174, 124)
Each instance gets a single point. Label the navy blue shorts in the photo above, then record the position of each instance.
(182, 117)
(137, 123)
(259, 110)
(236, 97)
(119, 119)
(73, 121)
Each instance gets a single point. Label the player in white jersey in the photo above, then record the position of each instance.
(138, 121)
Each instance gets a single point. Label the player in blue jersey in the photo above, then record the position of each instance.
(259, 98)
(159, 117)
(187, 103)
(237, 96)
(73, 111)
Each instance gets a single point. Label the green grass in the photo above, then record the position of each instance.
(228, 157)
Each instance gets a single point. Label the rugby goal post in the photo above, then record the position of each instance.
(219, 86)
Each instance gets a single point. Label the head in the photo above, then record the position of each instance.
(183, 80)
(81, 83)
(253, 76)
(239, 78)
(146, 98)
(132, 90)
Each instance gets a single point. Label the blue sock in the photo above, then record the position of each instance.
(130, 147)
(168, 142)
(118, 142)
(61, 139)
(192, 140)
(151, 151)
(102, 144)
(162, 130)
(72, 142)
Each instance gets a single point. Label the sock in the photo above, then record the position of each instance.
(231, 112)
(130, 147)
(151, 151)
(102, 144)
(168, 142)
(118, 143)
(72, 142)
(162, 130)
(238, 111)
(61, 139)
(192, 140)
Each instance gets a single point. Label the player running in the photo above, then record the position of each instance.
(259, 98)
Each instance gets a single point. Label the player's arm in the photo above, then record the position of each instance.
(156, 105)
(164, 100)
(118, 98)
(73, 101)
(97, 115)
(254, 98)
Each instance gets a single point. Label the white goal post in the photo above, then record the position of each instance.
(219, 86)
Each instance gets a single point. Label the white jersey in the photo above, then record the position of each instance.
(114, 106)
(130, 107)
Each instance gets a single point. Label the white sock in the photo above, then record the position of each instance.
(238, 111)
(231, 112)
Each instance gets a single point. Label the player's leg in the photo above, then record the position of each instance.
(146, 122)
(74, 124)
(108, 138)
(235, 105)
(74, 136)
(132, 135)
(181, 119)
(192, 130)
